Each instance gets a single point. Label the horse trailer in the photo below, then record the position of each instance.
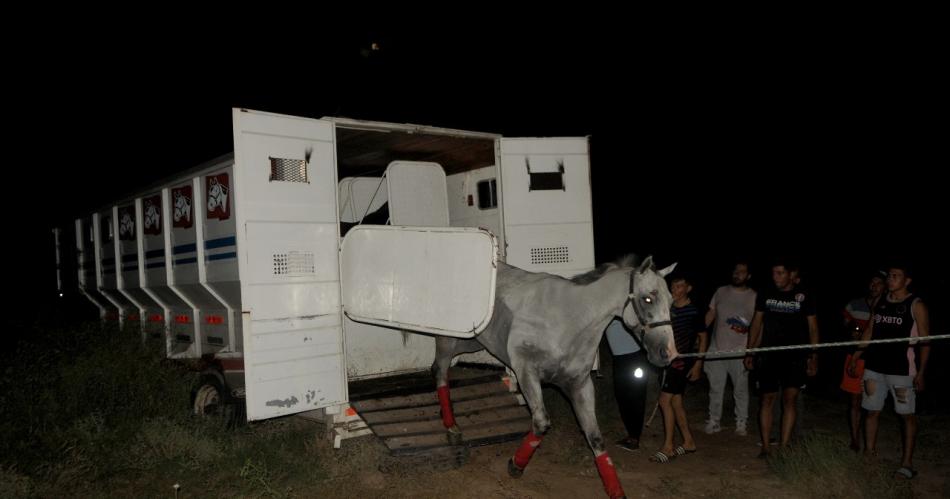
(326, 251)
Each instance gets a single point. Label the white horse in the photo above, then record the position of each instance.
(547, 330)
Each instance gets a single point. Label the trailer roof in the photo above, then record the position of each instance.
(369, 146)
(365, 147)
(210, 165)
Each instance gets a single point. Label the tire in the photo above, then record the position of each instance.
(212, 400)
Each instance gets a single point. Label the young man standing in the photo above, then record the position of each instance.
(731, 310)
(784, 316)
(857, 314)
(688, 324)
(893, 367)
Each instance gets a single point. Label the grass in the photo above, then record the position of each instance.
(92, 411)
(821, 465)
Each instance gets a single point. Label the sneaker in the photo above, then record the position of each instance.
(712, 427)
(741, 430)
(629, 444)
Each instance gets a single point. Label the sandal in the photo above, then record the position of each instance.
(905, 473)
(660, 457)
(680, 450)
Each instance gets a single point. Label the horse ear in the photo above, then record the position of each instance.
(647, 264)
(665, 272)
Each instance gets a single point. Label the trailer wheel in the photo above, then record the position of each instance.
(211, 400)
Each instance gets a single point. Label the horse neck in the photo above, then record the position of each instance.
(605, 297)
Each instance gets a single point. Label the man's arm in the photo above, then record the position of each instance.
(755, 336)
(865, 338)
(922, 318)
(710, 317)
(711, 311)
(813, 339)
(696, 371)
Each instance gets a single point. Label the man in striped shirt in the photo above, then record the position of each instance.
(688, 324)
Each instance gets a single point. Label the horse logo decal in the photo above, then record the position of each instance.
(217, 190)
(181, 199)
(126, 224)
(152, 208)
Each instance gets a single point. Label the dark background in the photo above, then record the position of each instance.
(820, 139)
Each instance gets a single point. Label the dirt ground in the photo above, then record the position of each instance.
(725, 465)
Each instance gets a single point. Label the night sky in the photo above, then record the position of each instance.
(817, 144)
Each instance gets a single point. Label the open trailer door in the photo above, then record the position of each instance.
(436, 280)
(546, 199)
(288, 239)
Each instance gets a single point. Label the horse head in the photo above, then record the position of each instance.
(182, 207)
(647, 311)
(151, 216)
(217, 195)
(126, 226)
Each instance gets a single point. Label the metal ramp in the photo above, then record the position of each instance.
(406, 416)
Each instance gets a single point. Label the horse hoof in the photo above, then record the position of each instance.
(454, 435)
(514, 471)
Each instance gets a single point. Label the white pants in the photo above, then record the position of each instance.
(717, 370)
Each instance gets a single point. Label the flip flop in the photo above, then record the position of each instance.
(680, 450)
(660, 457)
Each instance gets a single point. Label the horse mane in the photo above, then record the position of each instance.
(627, 261)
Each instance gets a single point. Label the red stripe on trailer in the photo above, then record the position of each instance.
(155, 318)
(232, 363)
(182, 319)
(214, 319)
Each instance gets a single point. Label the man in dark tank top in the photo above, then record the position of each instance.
(895, 368)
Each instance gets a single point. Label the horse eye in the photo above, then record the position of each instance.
(648, 299)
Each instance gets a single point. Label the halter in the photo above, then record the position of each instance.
(637, 311)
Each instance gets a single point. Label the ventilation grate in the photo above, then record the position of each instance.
(288, 170)
(294, 263)
(551, 254)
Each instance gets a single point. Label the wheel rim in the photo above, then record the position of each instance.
(207, 401)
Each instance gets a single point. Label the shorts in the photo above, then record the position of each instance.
(901, 388)
(853, 384)
(674, 379)
(783, 369)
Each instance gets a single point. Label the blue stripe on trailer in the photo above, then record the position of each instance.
(185, 248)
(222, 242)
(222, 256)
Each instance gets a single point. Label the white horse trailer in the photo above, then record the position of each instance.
(242, 262)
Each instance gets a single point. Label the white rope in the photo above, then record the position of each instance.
(380, 184)
(657, 406)
(742, 353)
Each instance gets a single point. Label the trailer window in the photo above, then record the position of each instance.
(289, 170)
(546, 181)
(487, 194)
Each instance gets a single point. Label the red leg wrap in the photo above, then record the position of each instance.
(528, 446)
(608, 474)
(448, 418)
